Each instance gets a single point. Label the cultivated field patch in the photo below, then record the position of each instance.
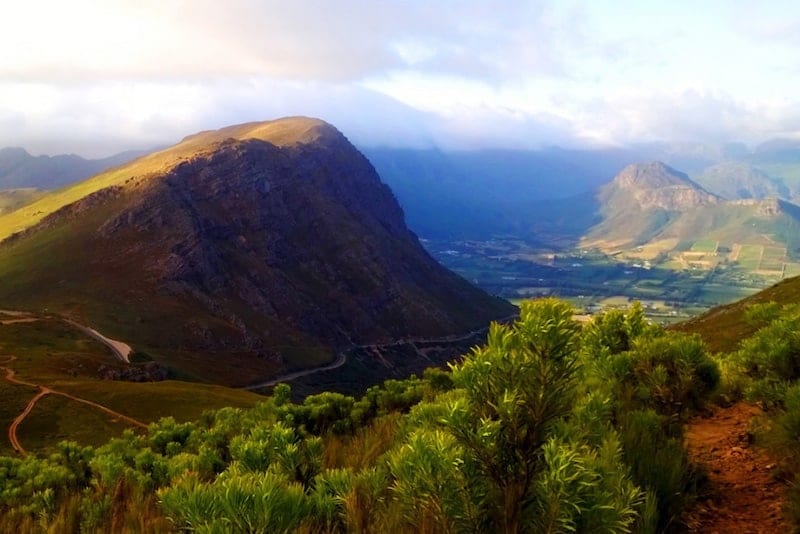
(708, 246)
(749, 257)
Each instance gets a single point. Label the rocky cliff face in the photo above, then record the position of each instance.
(657, 186)
(272, 245)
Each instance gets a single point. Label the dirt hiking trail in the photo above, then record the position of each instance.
(743, 496)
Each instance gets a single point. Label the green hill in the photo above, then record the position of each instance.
(51, 353)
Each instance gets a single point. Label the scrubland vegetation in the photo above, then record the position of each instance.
(550, 426)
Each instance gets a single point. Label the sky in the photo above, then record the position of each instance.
(99, 77)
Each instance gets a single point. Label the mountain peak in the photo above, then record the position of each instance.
(283, 132)
(653, 174)
(657, 185)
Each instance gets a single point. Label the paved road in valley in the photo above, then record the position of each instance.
(341, 357)
(121, 350)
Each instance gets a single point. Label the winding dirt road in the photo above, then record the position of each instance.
(12, 430)
(44, 390)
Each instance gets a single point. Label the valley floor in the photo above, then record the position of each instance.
(743, 496)
(672, 288)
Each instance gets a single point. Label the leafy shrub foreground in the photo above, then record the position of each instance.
(549, 427)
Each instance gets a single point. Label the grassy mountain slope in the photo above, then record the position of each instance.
(151, 165)
(13, 199)
(53, 354)
(725, 326)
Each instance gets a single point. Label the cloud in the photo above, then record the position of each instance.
(636, 116)
(192, 39)
(98, 119)
(93, 76)
(300, 40)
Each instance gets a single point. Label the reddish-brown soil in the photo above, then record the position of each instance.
(742, 495)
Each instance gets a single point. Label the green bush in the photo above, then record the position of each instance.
(429, 485)
(658, 463)
(761, 314)
(671, 374)
(517, 387)
(614, 331)
(252, 502)
(774, 351)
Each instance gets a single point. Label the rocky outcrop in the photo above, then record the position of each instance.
(145, 372)
(654, 204)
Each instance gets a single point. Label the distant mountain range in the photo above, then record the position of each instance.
(738, 180)
(18, 169)
(485, 193)
(641, 202)
(562, 198)
(237, 254)
(478, 194)
(653, 205)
